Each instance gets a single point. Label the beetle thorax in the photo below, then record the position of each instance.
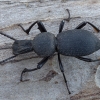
(44, 44)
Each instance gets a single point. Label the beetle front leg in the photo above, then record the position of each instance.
(61, 26)
(81, 25)
(87, 59)
(40, 65)
(3, 61)
(7, 36)
(40, 27)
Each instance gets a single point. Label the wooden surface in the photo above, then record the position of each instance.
(80, 74)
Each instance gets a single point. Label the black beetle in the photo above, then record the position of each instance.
(76, 43)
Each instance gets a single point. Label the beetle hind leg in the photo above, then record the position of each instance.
(87, 59)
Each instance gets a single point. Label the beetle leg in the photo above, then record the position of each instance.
(8, 36)
(87, 59)
(62, 70)
(40, 65)
(3, 61)
(81, 25)
(40, 27)
(27, 30)
(61, 26)
(63, 22)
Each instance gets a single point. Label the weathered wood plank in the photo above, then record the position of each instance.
(25, 13)
(80, 75)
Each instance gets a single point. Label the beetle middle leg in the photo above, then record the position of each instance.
(81, 25)
(87, 59)
(40, 65)
(62, 70)
(59, 59)
(3, 61)
(40, 27)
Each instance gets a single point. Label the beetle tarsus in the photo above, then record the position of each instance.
(24, 71)
(66, 83)
(40, 65)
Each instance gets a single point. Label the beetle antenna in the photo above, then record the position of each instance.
(8, 36)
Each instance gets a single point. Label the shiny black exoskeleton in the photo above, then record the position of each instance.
(76, 43)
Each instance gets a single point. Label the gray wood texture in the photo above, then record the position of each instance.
(43, 85)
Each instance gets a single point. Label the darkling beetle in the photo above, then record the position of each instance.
(76, 43)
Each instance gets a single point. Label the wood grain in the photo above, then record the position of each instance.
(80, 74)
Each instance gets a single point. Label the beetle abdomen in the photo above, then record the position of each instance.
(77, 42)
(44, 44)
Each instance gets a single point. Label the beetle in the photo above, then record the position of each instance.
(76, 43)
